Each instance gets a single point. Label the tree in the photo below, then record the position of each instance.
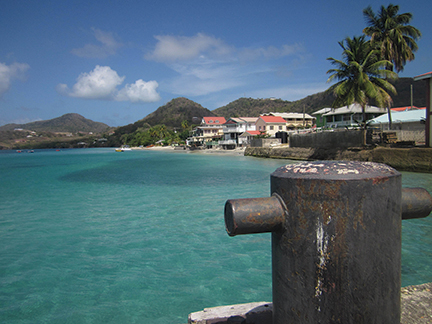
(362, 76)
(395, 39)
(390, 31)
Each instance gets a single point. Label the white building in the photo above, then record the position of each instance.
(234, 127)
(294, 120)
(351, 115)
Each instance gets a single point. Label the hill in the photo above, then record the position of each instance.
(70, 123)
(171, 115)
(176, 111)
(248, 107)
(255, 107)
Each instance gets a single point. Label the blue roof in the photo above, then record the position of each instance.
(401, 116)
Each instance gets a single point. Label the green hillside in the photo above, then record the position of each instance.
(254, 107)
(71, 123)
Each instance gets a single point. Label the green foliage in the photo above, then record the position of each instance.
(392, 34)
(72, 123)
(361, 75)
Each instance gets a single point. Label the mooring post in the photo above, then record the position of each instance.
(336, 239)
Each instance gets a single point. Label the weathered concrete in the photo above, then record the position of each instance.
(416, 304)
(403, 159)
(416, 308)
(340, 139)
(259, 312)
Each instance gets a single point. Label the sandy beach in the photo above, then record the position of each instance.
(237, 151)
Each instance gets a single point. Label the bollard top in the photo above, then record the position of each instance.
(335, 170)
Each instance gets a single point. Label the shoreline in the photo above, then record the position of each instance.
(237, 151)
(415, 159)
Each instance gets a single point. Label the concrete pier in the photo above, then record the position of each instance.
(416, 302)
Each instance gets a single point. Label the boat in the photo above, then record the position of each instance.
(123, 148)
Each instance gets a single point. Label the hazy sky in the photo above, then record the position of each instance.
(117, 61)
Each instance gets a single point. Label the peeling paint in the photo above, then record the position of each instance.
(322, 241)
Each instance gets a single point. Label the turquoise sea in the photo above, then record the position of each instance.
(95, 236)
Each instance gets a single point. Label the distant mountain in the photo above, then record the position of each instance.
(248, 107)
(176, 111)
(244, 107)
(71, 123)
(171, 115)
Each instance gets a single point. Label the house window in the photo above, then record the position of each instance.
(259, 127)
(271, 127)
(263, 127)
(280, 127)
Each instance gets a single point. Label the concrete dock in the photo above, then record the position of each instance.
(416, 308)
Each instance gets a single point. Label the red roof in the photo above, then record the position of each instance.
(254, 132)
(214, 120)
(406, 108)
(273, 119)
(423, 76)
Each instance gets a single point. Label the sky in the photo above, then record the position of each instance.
(117, 61)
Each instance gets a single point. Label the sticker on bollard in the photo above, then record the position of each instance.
(336, 239)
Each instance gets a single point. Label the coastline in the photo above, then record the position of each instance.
(415, 159)
(237, 151)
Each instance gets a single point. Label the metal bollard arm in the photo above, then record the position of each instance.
(416, 203)
(254, 215)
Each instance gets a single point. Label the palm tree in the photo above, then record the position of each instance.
(392, 34)
(361, 76)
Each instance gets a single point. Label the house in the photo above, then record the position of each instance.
(271, 125)
(210, 131)
(319, 118)
(294, 120)
(408, 125)
(233, 128)
(395, 109)
(427, 77)
(246, 137)
(351, 115)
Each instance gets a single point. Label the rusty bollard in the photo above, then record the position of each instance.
(336, 239)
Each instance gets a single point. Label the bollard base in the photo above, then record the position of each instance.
(259, 312)
(416, 302)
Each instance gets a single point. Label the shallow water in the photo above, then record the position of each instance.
(94, 236)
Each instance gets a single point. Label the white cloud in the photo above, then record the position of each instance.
(108, 46)
(205, 64)
(102, 82)
(181, 48)
(139, 91)
(270, 52)
(9, 73)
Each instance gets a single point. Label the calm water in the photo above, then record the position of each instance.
(94, 236)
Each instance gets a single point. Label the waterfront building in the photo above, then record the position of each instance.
(270, 125)
(209, 132)
(294, 120)
(233, 128)
(351, 115)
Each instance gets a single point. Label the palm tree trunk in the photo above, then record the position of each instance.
(364, 124)
(389, 117)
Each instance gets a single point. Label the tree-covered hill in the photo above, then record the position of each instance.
(248, 107)
(172, 115)
(254, 107)
(176, 111)
(68, 123)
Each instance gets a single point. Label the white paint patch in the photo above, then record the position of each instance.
(322, 246)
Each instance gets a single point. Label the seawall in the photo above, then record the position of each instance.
(403, 159)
